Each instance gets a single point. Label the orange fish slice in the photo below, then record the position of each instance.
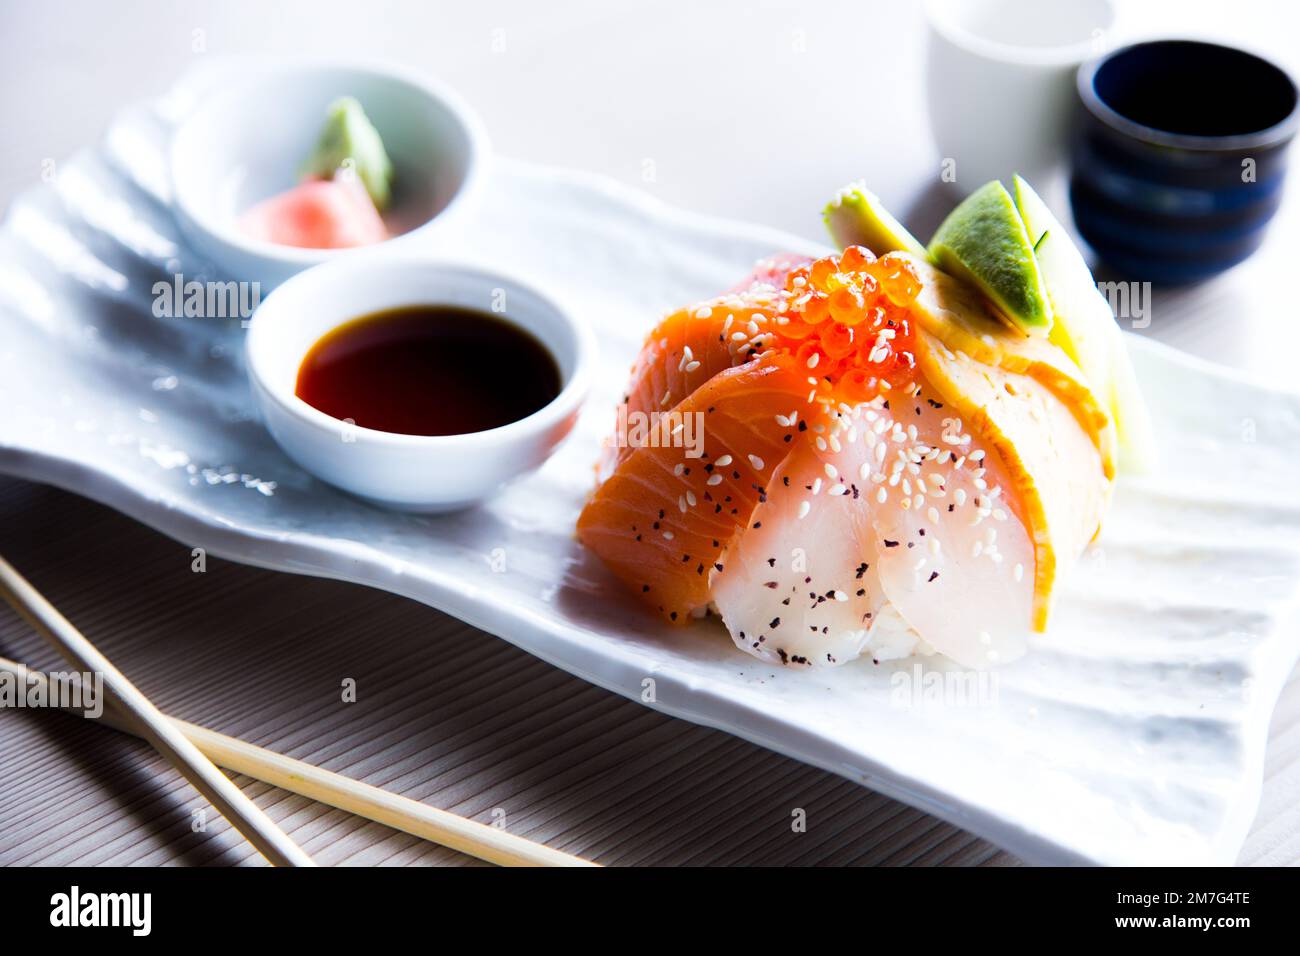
(663, 519)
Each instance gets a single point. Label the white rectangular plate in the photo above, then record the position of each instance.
(1133, 733)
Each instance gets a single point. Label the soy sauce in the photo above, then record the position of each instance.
(428, 370)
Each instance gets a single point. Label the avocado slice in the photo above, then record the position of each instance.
(856, 217)
(985, 242)
(349, 136)
(1085, 329)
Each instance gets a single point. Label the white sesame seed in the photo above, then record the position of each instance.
(933, 515)
(881, 494)
(724, 461)
(804, 508)
(678, 469)
(692, 366)
(756, 462)
(841, 596)
(668, 536)
(813, 359)
(714, 480)
(690, 498)
(681, 504)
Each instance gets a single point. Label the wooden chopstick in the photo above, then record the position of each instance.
(373, 803)
(147, 721)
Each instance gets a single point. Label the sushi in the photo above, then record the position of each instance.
(890, 465)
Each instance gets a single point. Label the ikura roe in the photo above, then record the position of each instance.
(849, 322)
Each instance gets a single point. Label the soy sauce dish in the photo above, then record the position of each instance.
(415, 384)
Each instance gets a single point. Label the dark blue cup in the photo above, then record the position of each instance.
(1178, 156)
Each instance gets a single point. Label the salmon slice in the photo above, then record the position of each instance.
(662, 520)
(689, 346)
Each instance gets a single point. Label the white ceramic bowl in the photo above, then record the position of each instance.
(247, 143)
(410, 472)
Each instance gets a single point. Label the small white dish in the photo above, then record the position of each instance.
(248, 143)
(409, 472)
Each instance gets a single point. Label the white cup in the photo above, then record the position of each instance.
(1000, 83)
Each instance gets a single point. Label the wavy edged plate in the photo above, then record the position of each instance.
(1133, 733)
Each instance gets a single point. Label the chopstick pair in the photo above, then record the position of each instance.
(195, 751)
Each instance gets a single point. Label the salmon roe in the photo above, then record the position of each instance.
(849, 321)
